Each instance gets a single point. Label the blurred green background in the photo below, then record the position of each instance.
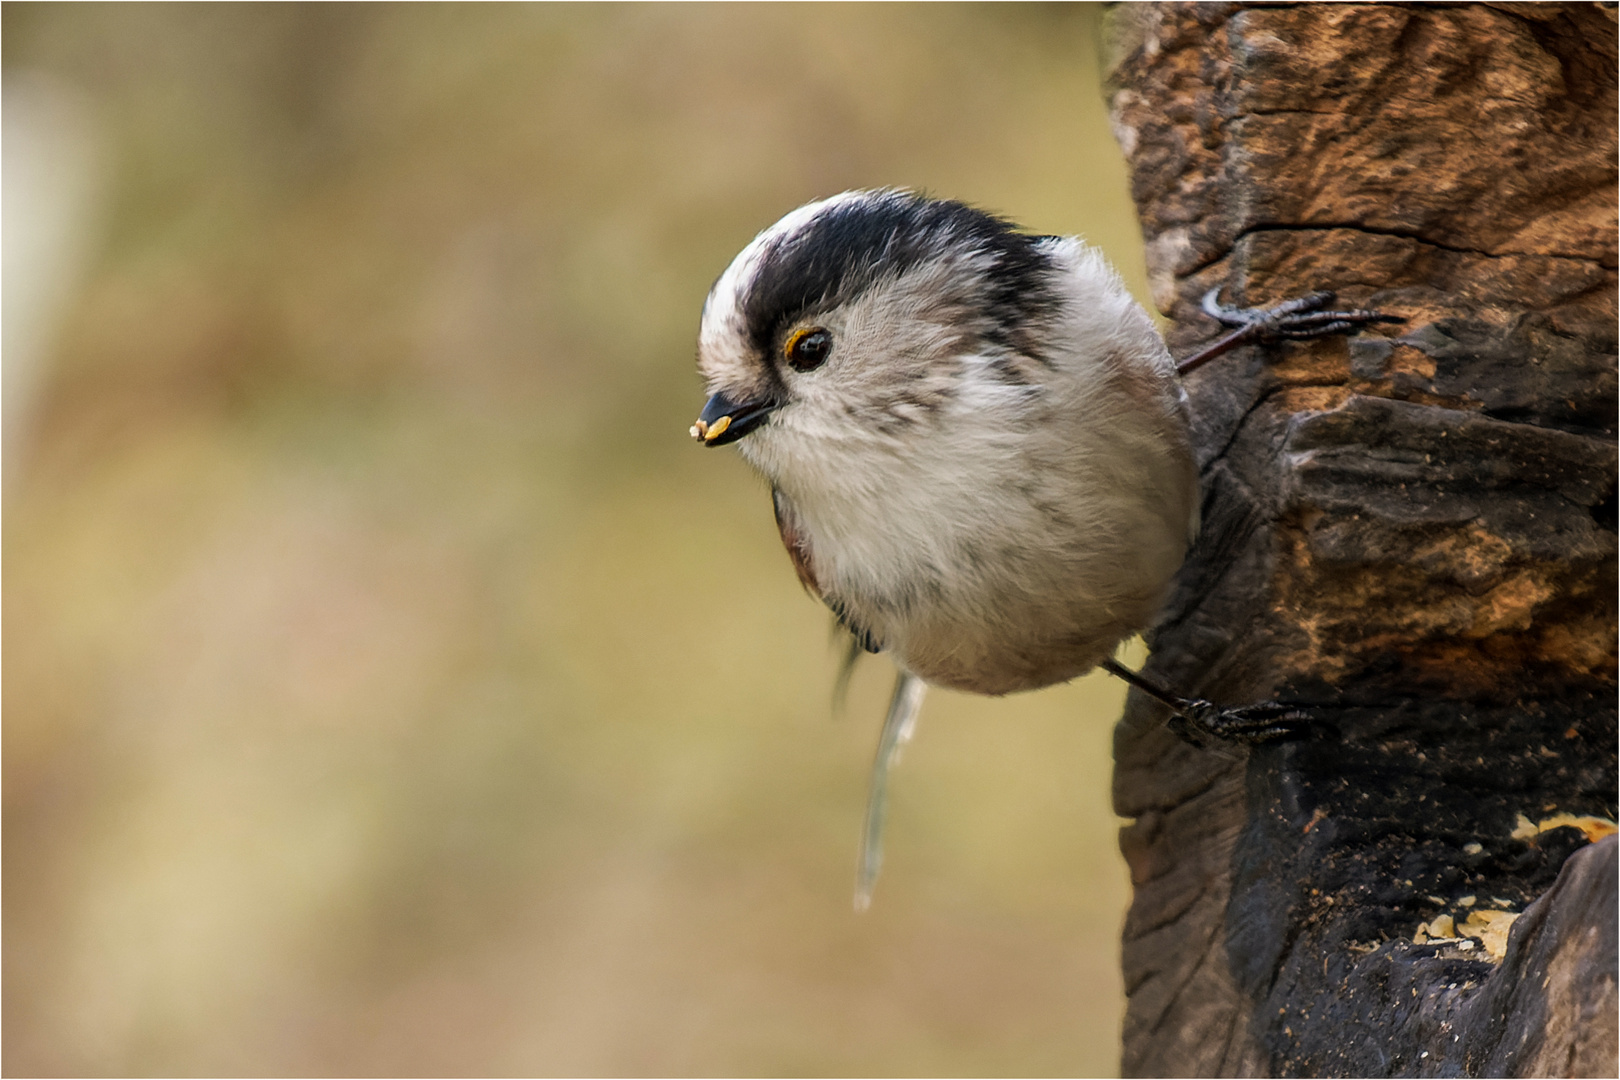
(391, 685)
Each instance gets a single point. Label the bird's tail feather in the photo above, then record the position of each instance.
(897, 730)
(846, 666)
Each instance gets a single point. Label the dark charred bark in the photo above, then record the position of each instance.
(1411, 532)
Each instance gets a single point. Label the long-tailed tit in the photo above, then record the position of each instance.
(977, 444)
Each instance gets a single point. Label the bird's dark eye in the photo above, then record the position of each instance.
(807, 350)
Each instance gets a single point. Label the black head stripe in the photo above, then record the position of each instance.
(850, 246)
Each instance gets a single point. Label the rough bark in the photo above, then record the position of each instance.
(1412, 533)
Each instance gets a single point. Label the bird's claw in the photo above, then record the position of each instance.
(1301, 317)
(1267, 721)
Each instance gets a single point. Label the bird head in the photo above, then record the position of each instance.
(859, 317)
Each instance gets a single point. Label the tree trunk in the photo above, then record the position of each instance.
(1411, 532)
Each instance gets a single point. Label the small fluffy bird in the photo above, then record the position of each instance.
(977, 443)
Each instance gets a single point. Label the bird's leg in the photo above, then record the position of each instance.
(1260, 723)
(1302, 317)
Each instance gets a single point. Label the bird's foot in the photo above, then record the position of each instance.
(1267, 721)
(1305, 316)
(1197, 720)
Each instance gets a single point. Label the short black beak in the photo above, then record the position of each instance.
(723, 420)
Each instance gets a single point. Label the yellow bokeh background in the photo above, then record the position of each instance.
(391, 686)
